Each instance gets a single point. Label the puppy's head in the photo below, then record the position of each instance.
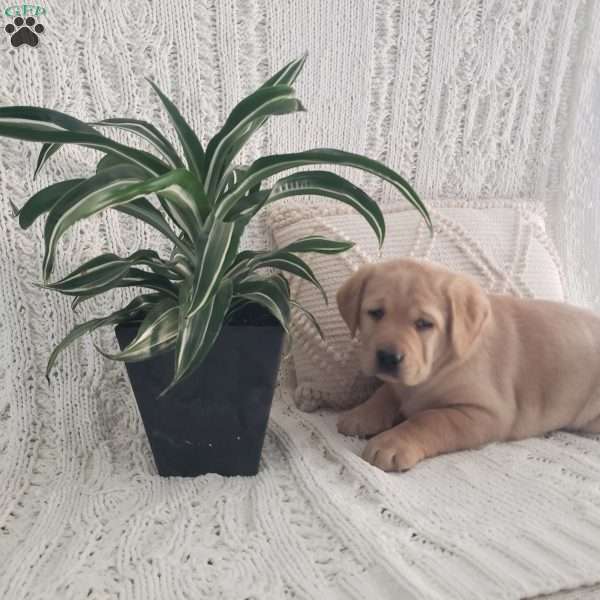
(413, 317)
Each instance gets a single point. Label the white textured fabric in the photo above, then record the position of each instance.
(469, 99)
(575, 204)
(502, 244)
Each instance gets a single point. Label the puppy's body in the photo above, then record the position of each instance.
(489, 368)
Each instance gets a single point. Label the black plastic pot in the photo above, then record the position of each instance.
(215, 421)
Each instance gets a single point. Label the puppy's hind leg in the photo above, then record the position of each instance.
(379, 413)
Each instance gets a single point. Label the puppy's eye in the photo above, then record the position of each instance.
(423, 324)
(376, 313)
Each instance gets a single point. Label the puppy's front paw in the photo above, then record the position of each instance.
(362, 422)
(390, 451)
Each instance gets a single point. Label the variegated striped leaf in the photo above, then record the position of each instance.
(45, 125)
(240, 266)
(102, 271)
(198, 333)
(111, 160)
(163, 268)
(97, 273)
(139, 278)
(289, 263)
(142, 209)
(247, 207)
(192, 147)
(103, 190)
(288, 74)
(321, 183)
(148, 132)
(108, 161)
(136, 309)
(182, 194)
(43, 201)
(46, 153)
(114, 187)
(220, 247)
(133, 278)
(317, 244)
(309, 316)
(285, 76)
(157, 334)
(268, 292)
(272, 165)
(243, 121)
(49, 149)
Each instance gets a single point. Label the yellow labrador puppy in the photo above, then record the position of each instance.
(461, 368)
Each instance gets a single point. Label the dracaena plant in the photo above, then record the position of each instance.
(202, 203)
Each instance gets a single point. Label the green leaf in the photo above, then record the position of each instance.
(240, 266)
(192, 148)
(112, 160)
(45, 125)
(181, 193)
(157, 334)
(148, 132)
(100, 272)
(43, 201)
(318, 244)
(142, 209)
(136, 278)
(103, 190)
(289, 263)
(268, 292)
(166, 269)
(108, 161)
(280, 280)
(47, 151)
(182, 263)
(272, 165)
(321, 183)
(309, 316)
(220, 245)
(285, 76)
(243, 121)
(198, 333)
(134, 310)
(117, 186)
(246, 207)
(288, 74)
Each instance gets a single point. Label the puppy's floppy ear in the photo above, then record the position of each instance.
(349, 297)
(468, 311)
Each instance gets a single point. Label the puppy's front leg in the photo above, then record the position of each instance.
(429, 433)
(380, 412)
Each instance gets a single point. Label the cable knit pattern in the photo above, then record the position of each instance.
(470, 99)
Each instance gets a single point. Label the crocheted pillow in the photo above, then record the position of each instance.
(503, 244)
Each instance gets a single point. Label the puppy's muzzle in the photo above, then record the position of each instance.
(388, 361)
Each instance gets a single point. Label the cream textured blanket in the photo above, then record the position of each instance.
(470, 100)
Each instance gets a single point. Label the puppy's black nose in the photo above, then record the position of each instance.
(388, 361)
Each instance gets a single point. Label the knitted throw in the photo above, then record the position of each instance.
(469, 99)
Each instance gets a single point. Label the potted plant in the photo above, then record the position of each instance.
(208, 310)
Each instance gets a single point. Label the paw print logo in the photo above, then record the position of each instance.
(24, 31)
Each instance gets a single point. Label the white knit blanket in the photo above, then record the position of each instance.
(470, 100)
(509, 521)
